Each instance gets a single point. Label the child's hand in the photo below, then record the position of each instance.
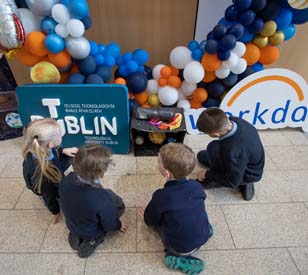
(201, 175)
(123, 227)
(141, 212)
(56, 218)
(71, 152)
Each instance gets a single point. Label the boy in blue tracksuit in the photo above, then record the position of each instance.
(177, 210)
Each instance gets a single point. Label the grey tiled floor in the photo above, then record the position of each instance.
(266, 236)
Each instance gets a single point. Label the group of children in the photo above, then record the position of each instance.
(176, 211)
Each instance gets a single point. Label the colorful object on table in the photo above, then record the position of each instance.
(174, 123)
(45, 72)
(157, 138)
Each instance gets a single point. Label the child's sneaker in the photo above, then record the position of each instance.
(74, 241)
(189, 265)
(87, 247)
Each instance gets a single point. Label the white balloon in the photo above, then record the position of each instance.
(156, 71)
(60, 13)
(75, 28)
(61, 30)
(180, 57)
(222, 72)
(77, 47)
(152, 87)
(181, 94)
(239, 49)
(168, 95)
(193, 72)
(188, 88)
(240, 67)
(41, 7)
(183, 103)
(29, 20)
(231, 61)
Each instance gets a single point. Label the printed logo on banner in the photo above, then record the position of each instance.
(273, 98)
(86, 114)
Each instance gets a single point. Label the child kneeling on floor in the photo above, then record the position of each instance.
(90, 211)
(177, 210)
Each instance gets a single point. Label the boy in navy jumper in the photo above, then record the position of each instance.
(90, 211)
(236, 159)
(177, 210)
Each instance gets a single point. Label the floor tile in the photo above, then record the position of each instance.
(296, 136)
(39, 264)
(300, 256)
(268, 225)
(197, 141)
(4, 160)
(56, 237)
(273, 138)
(22, 230)
(289, 157)
(269, 164)
(10, 191)
(28, 200)
(283, 186)
(147, 165)
(13, 169)
(11, 146)
(123, 165)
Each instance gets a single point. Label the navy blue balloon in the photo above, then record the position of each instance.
(211, 102)
(230, 80)
(258, 67)
(210, 35)
(48, 25)
(54, 43)
(271, 10)
(137, 82)
(284, 19)
(241, 5)
(197, 54)
(219, 31)
(215, 89)
(211, 46)
(193, 44)
(258, 5)
(246, 37)
(94, 79)
(87, 65)
(227, 42)
(147, 72)
(223, 55)
(256, 26)
(104, 72)
(224, 21)
(132, 105)
(87, 22)
(249, 70)
(202, 44)
(231, 13)
(237, 30)
(247, 17)
(76, 78)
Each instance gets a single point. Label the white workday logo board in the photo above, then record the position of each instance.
(272, 98)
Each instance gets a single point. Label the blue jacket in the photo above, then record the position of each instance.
(88, 211)
(179, 210)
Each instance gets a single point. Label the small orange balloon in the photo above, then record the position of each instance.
(174, 81)
(162, 82)
(141, 98)
(269, 55)
(74, 68)
(145, 106)
(200, 95)
(64, 77)
(34, 43)
(165, 72)
(120, 80)
(61, 60)
(26, 58)
(194, 104)
(174, 70)
(209, 77)
(252, 54)
(210, 62)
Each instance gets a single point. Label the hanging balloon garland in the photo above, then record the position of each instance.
(47, 35)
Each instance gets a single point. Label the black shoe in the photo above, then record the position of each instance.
(74, 241)
(87, 247)
(209, 184)
(248, 191)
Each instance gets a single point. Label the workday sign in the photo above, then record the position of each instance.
(273, 98)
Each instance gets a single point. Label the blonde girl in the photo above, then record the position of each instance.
(44, 163)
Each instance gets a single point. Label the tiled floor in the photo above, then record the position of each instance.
(266, 236)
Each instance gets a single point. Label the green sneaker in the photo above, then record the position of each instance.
(188, 265)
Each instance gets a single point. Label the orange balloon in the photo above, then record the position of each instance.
(194, 104)
(174, 81)
(162, 82)
(26, 58)
(74, 68)
(174, 70)
(120, 80)
(210, 62)
(146, 105)
(141, 98)
(165, 72)
(64, 77)
(34, 43)
(61, 60)
(209, 77)
(200, 95)
(269, 55)
(252, 54)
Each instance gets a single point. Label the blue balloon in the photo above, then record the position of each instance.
(224, 21)
(227, 42)
(211, 102)
(132, 105)
(132, 66)
(241, 5)
(246, 37)
(249, 70)
(258, 5)
(109, 60)
(215, 89)
(230, 80)
(137, 82)
(237, 30)
(247, 17)
(94, 79)
(99, 58)
(101, 48)
(197, 54)
(289, 32)
(78, 8)
(54, 43)
(141, 56)
(231, 13)
(94, 47)
(148, 72)
(119, 61)
(211, 46)
(87, 65)
(104, 72)
(258, 67)
(193, 44)
(140, 69)
(219, 31)
(210, 35)
(256, 26)
(123, 71)
(64, 2)
(48, 25)
(127, 56)
(284, 19)
(76, 78)
(271, 10)
(87, 22)
(202, 45)
(113, 49)
(223, 55)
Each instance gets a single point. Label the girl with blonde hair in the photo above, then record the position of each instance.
(45, 162)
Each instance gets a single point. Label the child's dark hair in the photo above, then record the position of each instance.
(213, 120)
(91, 161)
(178, 158)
